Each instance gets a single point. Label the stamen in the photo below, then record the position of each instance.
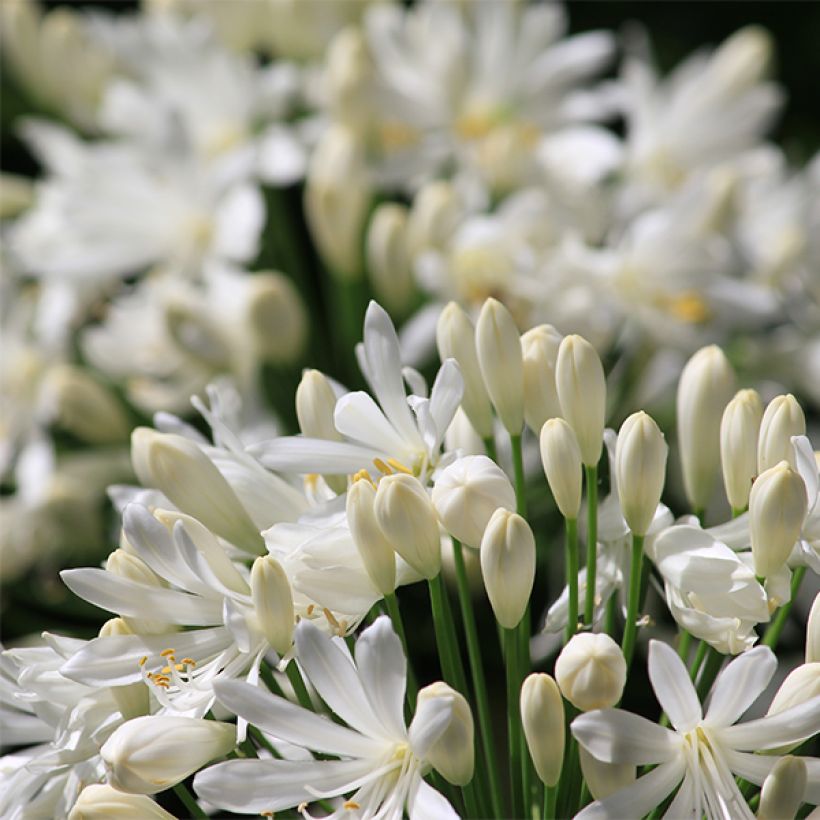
(362, 475)
(143, 660)
(166, 653)
(331, 619)
(310, 609)
(397, 465)
(382, 467)
(351, 805)
(188, 661)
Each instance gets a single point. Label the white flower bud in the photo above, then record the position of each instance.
(508, 565)
(640, 467)
(377, 553)
(276, 318)
(100, 801)
(539, 348)
(561, 457)
(706, 385)
(337, 200)
(455, 338)
(129, 566)
(783, 789)
(273, 602)
(153, 753)
(604, 779)
(581, 386)
(783, 419)
(348, 72)
(131, 699)
(591, 671)
(467, 493)
(542, 716)
(813, 632)
(408, 519)
(178, 468)
(801, 684)
(461, 435)
(777, 508)
(739, 430)
(743, 59)
(78, 403)
(453, 754)
(315, 405)
(434, 216)
(498, 346)
(388, 258)
(196, 333)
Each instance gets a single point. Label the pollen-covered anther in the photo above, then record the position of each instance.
(398, 466)
(188, 661)
(167, 653)
(310, 609)
(143, 660)
(331, 619)
(362, 475)
(382, 467)
(351, 805)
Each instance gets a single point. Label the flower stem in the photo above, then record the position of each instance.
(489, 447)
(571, 562)
(550, 797)
(266, 673)
(449, 656)
(631, 626)
(518, 471)
(592, 540)
(513, 718)
(295, 678)
(392, 603)
(698, 660)
(479, 683)
(684, 641)
(772, 635)
(188, 800)
(710, 670)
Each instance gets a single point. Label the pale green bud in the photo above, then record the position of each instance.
(542, 716)
(783, 419)
(561, 458)
(388, 257)
(739, 430)
(273, 602)
(777, 509)
(377, 553)
(508, 565)
(591, 671)
(581, 386)
(276, 318)
(783, 790)
(539, 348)
(99, 801)
(453, 754)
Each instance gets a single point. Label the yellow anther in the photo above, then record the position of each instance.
(330, 618)
(310, 609)
(166, 670)
(382, 467)
(163, 684)
(351, 805)
(398, 466)
(362, 475)
(311, 480)
(166, 653)
(143, 659)
(266, 814)
(188, 661)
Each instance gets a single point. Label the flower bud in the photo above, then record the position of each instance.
(706, 385)
(407, 517)
(152, 753)
(78, 403)
(315, 404)
(813, 632)
(348, 71)
(337, 200)
(273, 602)
(783, 419)
(581, 386)
(801, 684)
(197, 334)
(178, 468)
(461, 435)
(99, 801)
(739, 429)
(467, 493)
(131, 699)
(377, 553)
(602, 778)
(640, 467)
(388, 259)
(508, 565)
(129, 566)
(783, 789)
(591, 671)
(453, 754)
(455, 337)
(433, 218)
(542, 716)
(743, 59)
(498, 346)
(777, 508)
(539, 347)
(561, 457)
(276, 318)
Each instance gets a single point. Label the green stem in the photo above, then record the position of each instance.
(518, 471)
(550, 797)
(188, 800)
(610, 615)
(684, 641)
(489, 447)
(631, 626)
(698, 660)
(513, 719)
(260, 738)
(449, 656)
(295, 678)
(266, 673)
(571, 562)
(710, 670)
(592, 540)
(772, 635)
(392, 604)
(479, 682)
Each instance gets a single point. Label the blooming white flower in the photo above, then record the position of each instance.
(703, 753)
(381, 762)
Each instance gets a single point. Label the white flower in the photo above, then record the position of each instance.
(703, 753)
(381, 762)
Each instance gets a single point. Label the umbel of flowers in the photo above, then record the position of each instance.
(259, 657)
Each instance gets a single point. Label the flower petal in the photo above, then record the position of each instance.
(674, 690)
(358, 417)
(615, 736)
(433, 715)
(448, 389)
(790, 726)
(427, 803)
(739, 685)
(301, 455)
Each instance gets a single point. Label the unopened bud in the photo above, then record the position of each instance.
(433, 218)
(452, 755)
(801, 685)
(153, 753)
(129, 566)
(539, 348)
(542, 716)
(706, 385)
(743, 59)
(739, 430)
(315, 404)
(508, 565)
(348, 71)
(498, 346)
(455, 337)
(640, 466)
(783, 789)
(99, 801)
(783, 419)
(561, 457)
(604, 779)
(813, 632)
(178, 468)
(273, 602)
(461, 435)
(467, 493)
(581, 386)
(197, 334)
(276, 318)
(376, 552)
(591, 671)
(131, 699)
(777, 508)
(388, 258)
(408, 519)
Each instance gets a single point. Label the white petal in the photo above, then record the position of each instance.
(239, 219)
(807, 467)
(684, 805)
(428, 804)
(299, 454)
(433, 716)
(448, 389)
(673, 688)
(790, 726)
(739, 685)
(287, 721)
(358, 417)
(281, 159)
(615, 736)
